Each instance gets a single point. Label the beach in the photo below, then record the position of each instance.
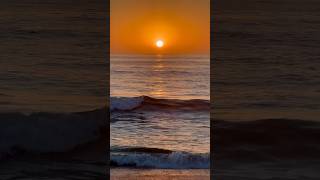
(159, 174)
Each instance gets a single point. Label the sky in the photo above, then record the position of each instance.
(182, 25)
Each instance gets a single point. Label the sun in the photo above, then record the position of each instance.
(159, 43)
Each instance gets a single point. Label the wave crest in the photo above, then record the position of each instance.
(160, 158)
(149, 103)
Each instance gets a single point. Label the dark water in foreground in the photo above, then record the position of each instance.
(44, 169)
(53, 60)
(265, 83)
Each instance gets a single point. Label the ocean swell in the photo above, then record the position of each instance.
(159, 158)
(149, 103)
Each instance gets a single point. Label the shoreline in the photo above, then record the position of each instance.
(158, 174)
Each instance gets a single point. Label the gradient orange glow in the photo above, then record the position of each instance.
(136, 26)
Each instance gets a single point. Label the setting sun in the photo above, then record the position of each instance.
(159, 43)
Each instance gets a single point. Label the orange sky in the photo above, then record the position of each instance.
(183, 25)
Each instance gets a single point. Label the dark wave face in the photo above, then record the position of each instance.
(149, 103)
(142, 157)
(47, 133)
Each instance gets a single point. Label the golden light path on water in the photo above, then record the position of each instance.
(159, 89)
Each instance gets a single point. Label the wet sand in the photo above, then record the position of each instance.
(159, 174)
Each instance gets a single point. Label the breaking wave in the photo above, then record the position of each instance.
(149, 103)
(159, 158)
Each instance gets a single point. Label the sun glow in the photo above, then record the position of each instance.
(159, 27)
(159, 43)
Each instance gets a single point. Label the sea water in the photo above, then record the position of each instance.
(160, 114)
(53, 93)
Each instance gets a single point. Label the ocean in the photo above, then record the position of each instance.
(160, 111)
(265, 89)
(53, 93)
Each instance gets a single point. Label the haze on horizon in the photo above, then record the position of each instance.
(183, 25)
